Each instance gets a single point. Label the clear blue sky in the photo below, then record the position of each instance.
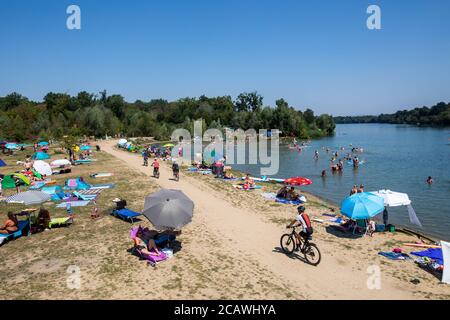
(316, 54)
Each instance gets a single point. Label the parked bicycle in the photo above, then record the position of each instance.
(310, 250)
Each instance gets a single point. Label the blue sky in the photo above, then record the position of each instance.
(316, 54)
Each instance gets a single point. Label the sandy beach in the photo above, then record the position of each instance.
(230, 250)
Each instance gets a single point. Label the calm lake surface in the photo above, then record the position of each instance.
(396, 157)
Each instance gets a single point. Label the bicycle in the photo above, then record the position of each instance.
(288, 242)
(156, 173)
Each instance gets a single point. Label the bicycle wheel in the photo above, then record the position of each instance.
(287, 243)
(312, 254)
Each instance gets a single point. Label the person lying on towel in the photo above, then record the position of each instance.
(145, 241)
(11, 224)
(282, 193)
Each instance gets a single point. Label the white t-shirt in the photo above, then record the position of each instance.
(300, 219)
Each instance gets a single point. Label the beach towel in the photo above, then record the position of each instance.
(269, 195)
(394, 255)
(85, 197)
(284, 201)
(102, 186)
(2, 163)
(73, 204)
(432, 253)
(37, 185)
(55, 222)
(239, 187)
(102, 175)
(90, 191)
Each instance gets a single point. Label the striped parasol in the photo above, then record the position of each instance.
(29, 197)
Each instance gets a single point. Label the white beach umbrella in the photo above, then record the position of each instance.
(29, 197)
(393, 199)
(60, 162)
(42, 167)
(397, 199)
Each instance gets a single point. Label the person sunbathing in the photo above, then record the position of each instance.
(145, 241)
(292, 195)
(43, 219)
(227, 175)
(282, 193)
(11, 224)
(249, 181)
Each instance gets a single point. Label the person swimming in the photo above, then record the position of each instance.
(430, 180)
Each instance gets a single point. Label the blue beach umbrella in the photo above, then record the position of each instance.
(363, 205)
(43, 143)
(84, 148)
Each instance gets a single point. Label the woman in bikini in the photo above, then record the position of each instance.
(11, 225)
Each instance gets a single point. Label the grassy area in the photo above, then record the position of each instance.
(37, 267)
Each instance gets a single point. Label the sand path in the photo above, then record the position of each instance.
(259, 239)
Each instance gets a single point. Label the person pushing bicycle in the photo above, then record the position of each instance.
(302, 219)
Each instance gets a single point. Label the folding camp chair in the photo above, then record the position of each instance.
(361, 224)
(125, 214)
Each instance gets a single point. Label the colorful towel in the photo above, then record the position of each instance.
(432, 253)
(394, 255)
(73, 204)
(103, 186)
(280, 200)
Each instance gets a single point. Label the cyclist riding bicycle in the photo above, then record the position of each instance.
(176, 169)
(302, 220)
(155, 166)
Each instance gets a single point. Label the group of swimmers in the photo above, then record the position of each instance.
(355, 189)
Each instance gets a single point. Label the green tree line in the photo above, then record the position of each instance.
(437, 115)
(60, 114)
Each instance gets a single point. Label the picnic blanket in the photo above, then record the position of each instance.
(432, 253)
(73, 204)
(394, 255)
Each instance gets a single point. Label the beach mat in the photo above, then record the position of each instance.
(102, 186)
(73, 204)
(394, 255)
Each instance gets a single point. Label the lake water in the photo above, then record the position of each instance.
(396, 157)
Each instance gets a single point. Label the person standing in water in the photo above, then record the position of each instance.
(430, 180)
(316, 155)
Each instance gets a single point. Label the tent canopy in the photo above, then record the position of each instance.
(40, 156)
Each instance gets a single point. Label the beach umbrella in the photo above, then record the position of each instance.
(43, 143)
(397, 199)
(393, 199)
(168, 145)
(60, 162)
(29, 197)
(122, 141)
(168, 208)
(84, 148)
(298, 181)
(362, 205)
(42, 167)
